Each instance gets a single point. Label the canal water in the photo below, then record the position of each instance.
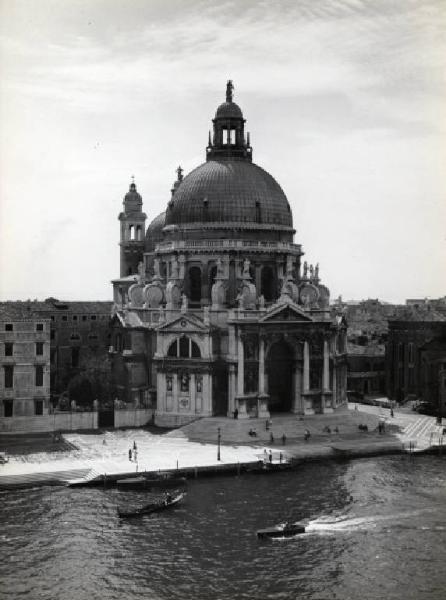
(377, 529)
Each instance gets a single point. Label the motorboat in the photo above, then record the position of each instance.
(282, 530)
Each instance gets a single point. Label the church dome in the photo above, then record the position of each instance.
(229, 110)
(154, 232)
(228, 192)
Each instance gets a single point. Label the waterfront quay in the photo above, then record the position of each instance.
(217, 445)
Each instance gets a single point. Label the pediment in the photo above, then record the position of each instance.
(286, 312)
(184, 324)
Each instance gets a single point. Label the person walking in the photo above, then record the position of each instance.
(270, 457)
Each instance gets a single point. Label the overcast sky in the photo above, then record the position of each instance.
(344, 99)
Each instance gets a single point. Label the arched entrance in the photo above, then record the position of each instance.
(279, 368)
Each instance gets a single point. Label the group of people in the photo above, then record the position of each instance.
(327, 429)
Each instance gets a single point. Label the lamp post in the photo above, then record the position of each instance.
(218, 443)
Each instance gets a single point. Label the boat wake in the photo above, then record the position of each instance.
(347, 524)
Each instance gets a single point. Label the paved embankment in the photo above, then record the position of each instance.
(194, 448)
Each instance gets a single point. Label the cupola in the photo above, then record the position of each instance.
(228, 141)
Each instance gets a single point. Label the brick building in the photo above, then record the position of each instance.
(416, 354)
(25, 361)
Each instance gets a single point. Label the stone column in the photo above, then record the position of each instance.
(231, 342)
(306, 378)
(297, 402)
(262, 398)
(240, 367)
(261, 366)
(175, 392)
(326, 369)
(192, 393)
(182, 261)
(334, 387)
(241, 401)
(325, 378)
(231, 390)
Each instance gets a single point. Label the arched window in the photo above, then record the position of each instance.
(195, 284)
(258, 212)
(138, 232)
(118, 342)
(267, 283)
(212, 275)
(173, 349)
(184, 347)
(131, 232)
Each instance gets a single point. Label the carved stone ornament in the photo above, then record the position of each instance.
(309, 295)
(153, 295)
(136, 295)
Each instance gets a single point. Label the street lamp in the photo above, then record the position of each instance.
(218, 442)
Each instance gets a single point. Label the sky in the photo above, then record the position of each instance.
(344, 100)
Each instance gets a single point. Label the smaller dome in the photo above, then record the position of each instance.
(229, 110)
(154, 232)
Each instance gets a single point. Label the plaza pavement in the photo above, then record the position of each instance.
(195, 445)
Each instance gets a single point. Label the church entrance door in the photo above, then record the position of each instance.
(279, 368)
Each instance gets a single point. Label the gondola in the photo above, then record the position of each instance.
(282, 530)
(147, 509)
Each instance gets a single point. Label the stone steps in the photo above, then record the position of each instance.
(47, 478)
(293, 426)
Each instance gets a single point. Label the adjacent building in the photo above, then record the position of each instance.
(215, 310)
(25, 361)
(416, 354)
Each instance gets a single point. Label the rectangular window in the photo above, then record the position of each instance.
(9, 348)
(84, 317)
(8, 408)
(74, 317)
(75, 357)
(39, 348)
(53, 334)
(39, 327)
(64, 318)
(38, 407)
(93, 317)
(9, 376)
(39, 375)
(9, 327)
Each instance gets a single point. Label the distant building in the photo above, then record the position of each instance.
(25, 362)
(366, 373)
(416, 354)
(366, 335)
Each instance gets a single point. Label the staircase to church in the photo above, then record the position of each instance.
(293, 426)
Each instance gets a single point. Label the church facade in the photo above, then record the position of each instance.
(215, 311)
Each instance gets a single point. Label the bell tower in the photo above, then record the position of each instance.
(132, 232)
(228, 141)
